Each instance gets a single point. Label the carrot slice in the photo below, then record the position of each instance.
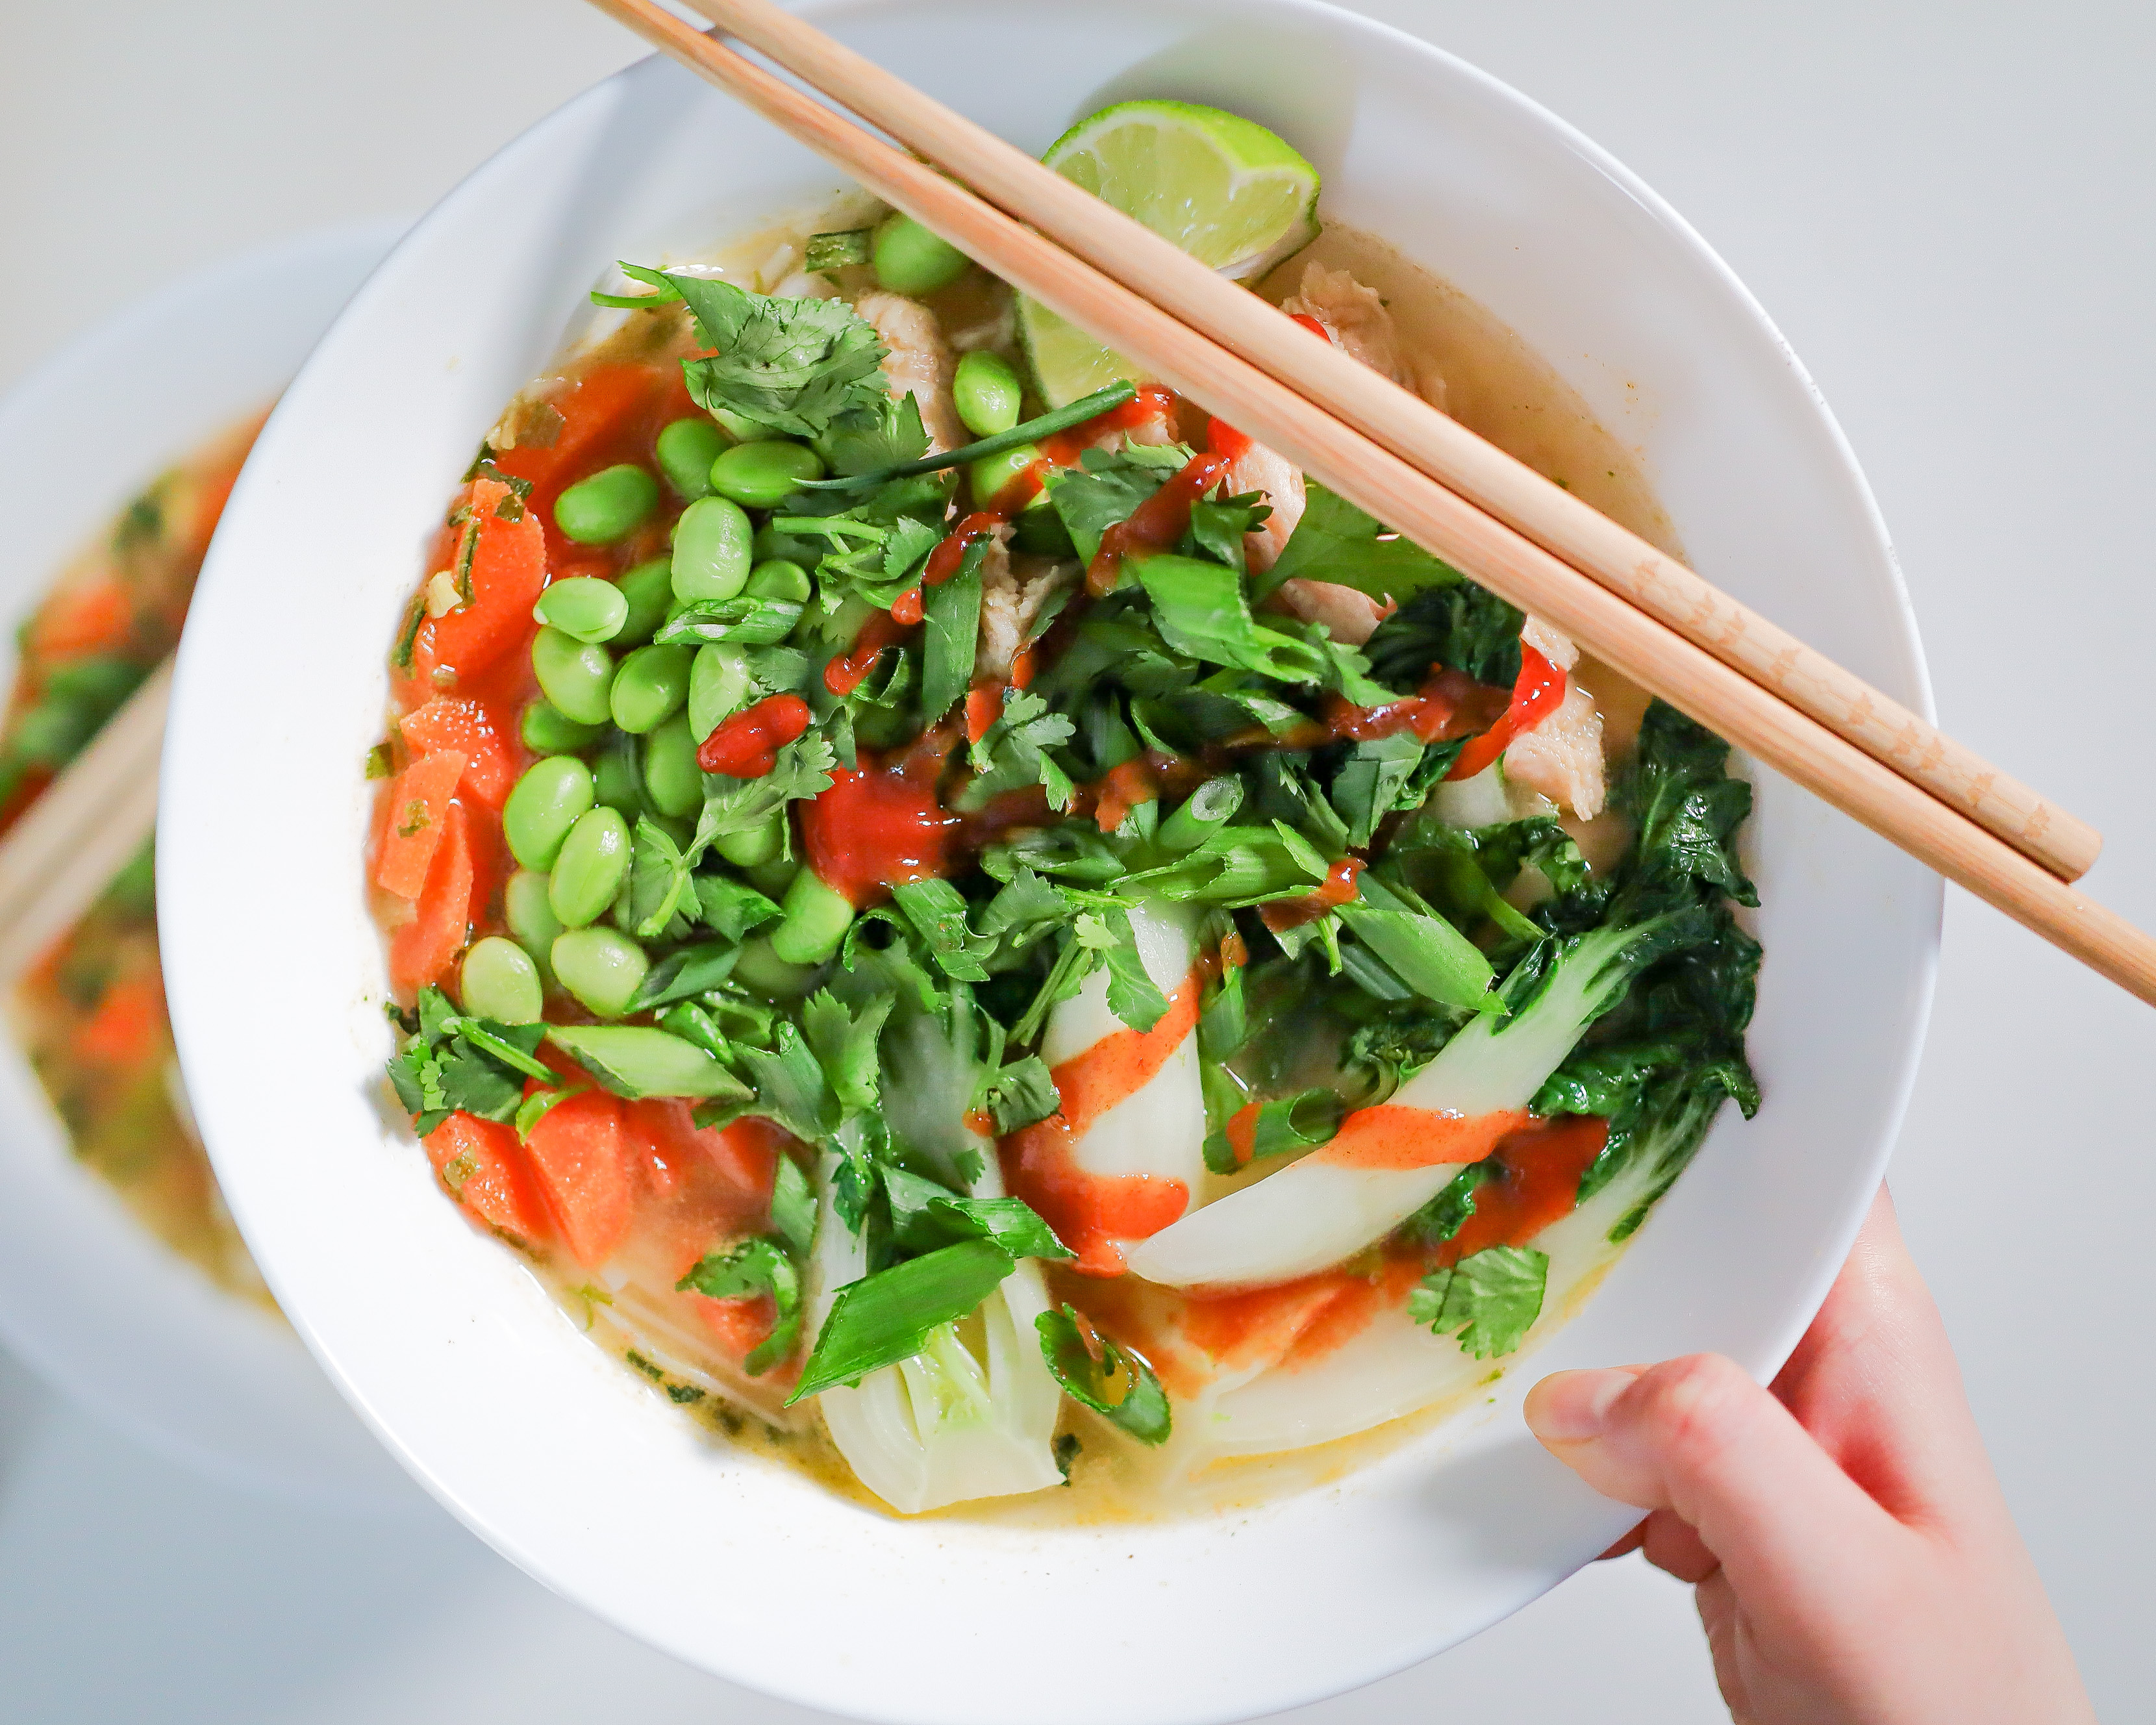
(499, 553)
(738, 1324)
(457, 722)
(611, 416)
(583, 1157)
(486, 1169)
(124, 1029)
(417, 815)
(424, 948)
(95, 617)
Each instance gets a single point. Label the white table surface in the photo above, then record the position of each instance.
(1948, 209)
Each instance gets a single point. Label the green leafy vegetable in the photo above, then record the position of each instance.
(794, 365)
(1115, 1382)
(1490, 1299)
(755, 1267)
(888, 1317)
(1338, 542)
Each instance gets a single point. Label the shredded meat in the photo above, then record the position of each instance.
(1562, 758)
(1557, 648)
(1013, 591)
(919, 364)
(1259, 469)
(1354, 316)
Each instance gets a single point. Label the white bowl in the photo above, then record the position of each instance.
(87, 1296)
(547, 1448)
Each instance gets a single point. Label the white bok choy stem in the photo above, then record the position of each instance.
(962, 1418)
(1311, 1214)
(1158, 1129)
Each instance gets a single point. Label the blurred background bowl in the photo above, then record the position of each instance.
(88, 1295)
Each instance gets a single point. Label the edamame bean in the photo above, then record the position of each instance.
(711, 550)
(765, 474)
(551, 797)
(987, 394)
(649, 587)
(740, 428)
(575, 674)
(546, 729)
(650, 686)
(762, 969)
(772, 878)
(589, 609)
(686, 450)
(588, 872)
(601, 968)
(616, 781)
(908, 260)
(989, 476)
(499, 981)
(781, 578)
(758, 844)
(608, 506)
(531, 918)
(672, 780)
(817, 918)
(718, 686)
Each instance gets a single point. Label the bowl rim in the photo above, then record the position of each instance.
(1899, 1074)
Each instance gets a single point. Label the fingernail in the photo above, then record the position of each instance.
(1573, 1407)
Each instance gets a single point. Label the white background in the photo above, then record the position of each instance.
(1945, 206)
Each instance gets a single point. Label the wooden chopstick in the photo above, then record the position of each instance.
(1628, 638)
(1420, 435)
(69, 844)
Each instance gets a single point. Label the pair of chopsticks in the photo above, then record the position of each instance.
(1640, 611)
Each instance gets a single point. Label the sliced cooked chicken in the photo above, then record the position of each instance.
(919, 364)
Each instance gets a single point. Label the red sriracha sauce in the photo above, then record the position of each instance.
(944, 562)
(1152, 402)
(844, 675)
(1156, 523)
(1536, 695)
(1313, 325)
(747, 745)
(1339, 888)
(877, 826)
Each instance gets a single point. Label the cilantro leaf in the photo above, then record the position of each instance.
(1012, 754)
(755, 1267)
(1105, 488)
(938, 912)
(1338, 542)
(952, 611)
(683, 972)
(795, 366)
(1490, 1299)
(1202, 610)
(659, 884)
(732, 909)
(803, 768)
(1022, 1093)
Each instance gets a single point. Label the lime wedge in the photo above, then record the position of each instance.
(1225, 190)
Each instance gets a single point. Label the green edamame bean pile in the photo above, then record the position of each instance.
(869, 844)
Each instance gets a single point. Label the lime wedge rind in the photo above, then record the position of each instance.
(1232, 194)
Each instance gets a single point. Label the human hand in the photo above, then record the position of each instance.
(1852, 1557)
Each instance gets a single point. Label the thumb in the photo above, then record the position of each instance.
(1697, 1437)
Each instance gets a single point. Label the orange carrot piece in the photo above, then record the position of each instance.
(507, 551)
(96, 617)
(583, 1161)
(457, 722)
(424, 948)
(486, 1169)
(417, 814)
(739, 1324)
(124, 1029)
